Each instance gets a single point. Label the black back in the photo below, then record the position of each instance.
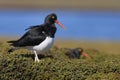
(35, 36)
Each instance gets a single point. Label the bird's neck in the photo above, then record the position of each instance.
(50, 30)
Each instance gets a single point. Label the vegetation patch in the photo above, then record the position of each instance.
(55, 65)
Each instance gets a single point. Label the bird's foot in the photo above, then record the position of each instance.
(36, 60)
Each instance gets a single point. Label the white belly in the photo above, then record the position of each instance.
(45, 45)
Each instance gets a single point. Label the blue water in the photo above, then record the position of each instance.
(88, 25)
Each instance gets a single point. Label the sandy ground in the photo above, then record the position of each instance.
(80, 4)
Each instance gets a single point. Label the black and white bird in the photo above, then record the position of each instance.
(39, 38)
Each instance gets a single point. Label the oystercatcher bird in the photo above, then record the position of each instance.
(39, 38)
(76, 53)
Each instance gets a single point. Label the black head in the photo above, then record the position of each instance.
(51, 19)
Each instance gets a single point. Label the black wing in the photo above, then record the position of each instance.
(31, 38)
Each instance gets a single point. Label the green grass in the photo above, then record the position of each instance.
(20, 65)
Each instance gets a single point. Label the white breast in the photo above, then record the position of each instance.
(45, 45)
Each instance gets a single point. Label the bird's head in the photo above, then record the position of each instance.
(81, 51)
(51, 19)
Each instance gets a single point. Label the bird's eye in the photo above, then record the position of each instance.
(53, 17)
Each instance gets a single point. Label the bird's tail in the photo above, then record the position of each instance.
(12, 43)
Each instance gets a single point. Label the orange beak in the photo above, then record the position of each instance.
(57, 22)
(86, 55)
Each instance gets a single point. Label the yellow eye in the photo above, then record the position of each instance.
(53, 17)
